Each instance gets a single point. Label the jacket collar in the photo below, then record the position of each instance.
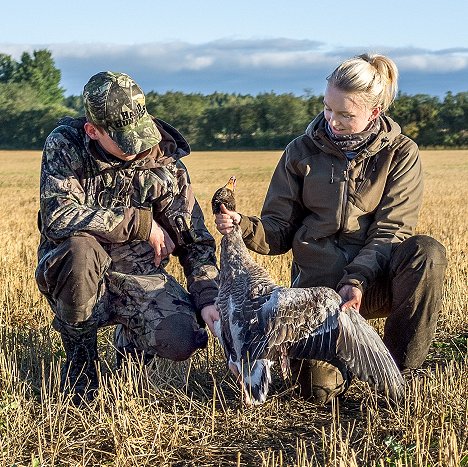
(389, 130)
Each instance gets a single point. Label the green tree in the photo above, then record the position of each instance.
(280, 119)
(25, 121)
(183, 111)
(75, 103)
(229, 123)
(454, 119)
(8, 68)
(314, 105)
(39, 71)
(418, 117)
(31, 99)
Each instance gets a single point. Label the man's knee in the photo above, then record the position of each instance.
(71, 275)
(76, 253)
(178, 336)
(86, 253)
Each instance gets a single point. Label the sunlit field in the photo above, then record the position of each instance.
(191, 413)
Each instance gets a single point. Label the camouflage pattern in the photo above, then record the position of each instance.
(87, 194)
(164, 316)
(116, 103)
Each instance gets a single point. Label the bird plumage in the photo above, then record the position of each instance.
(262, 322)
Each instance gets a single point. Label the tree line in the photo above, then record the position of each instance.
(32, 101)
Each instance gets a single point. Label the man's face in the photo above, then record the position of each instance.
(106, 142)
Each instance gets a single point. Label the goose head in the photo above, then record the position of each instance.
(224, 195)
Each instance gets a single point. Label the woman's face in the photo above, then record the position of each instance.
(346, 113)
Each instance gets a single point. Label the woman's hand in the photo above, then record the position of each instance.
(161, 242)
(210, 314)
(352, 297)
(226, 220)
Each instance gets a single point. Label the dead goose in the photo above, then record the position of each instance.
(261, 322)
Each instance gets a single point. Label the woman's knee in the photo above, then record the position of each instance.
(432, 248)
(419, 250)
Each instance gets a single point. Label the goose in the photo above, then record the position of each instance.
(262, 323)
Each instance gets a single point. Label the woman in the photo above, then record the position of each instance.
(345, 198)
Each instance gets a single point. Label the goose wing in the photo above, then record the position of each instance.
(308, 323)
(289, 316)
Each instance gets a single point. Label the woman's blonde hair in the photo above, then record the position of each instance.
(374, 77)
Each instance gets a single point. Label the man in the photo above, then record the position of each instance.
(115, 202)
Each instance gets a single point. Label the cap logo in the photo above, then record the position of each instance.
(116, 103)
(127, 117)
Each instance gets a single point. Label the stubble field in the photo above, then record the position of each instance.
(190, 413)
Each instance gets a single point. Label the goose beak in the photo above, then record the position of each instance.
(231, 184)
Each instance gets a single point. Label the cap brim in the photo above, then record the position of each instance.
(137, 137)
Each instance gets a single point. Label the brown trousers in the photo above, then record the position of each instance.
(410, 298)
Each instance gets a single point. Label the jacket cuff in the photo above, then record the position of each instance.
(360, 283)
(144, 225)
(245, 225)
(205, 297)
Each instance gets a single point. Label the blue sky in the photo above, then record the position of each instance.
(243, 46)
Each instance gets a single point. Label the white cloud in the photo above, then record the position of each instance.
(434, 62)
(281, 65)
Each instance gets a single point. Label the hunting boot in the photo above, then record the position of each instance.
(79, 373)
(319, 381)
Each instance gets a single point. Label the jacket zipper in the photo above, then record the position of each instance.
(362, 176)
(363, 173)
(344, 198)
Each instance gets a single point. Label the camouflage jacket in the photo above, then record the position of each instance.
(85, 191)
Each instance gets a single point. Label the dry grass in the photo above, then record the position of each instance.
(190, 413)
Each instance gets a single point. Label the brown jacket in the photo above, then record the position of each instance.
(341, 218)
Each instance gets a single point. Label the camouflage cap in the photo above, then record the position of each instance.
(116, 103)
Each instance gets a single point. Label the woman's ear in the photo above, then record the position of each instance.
(375, 113)
(91, 130)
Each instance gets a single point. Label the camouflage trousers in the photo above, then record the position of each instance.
(153, 313)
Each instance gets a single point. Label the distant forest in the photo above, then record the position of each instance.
(32, 101)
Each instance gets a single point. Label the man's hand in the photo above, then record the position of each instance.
(226, 220)
(210, 314)
(351, 296)
(162, 244)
